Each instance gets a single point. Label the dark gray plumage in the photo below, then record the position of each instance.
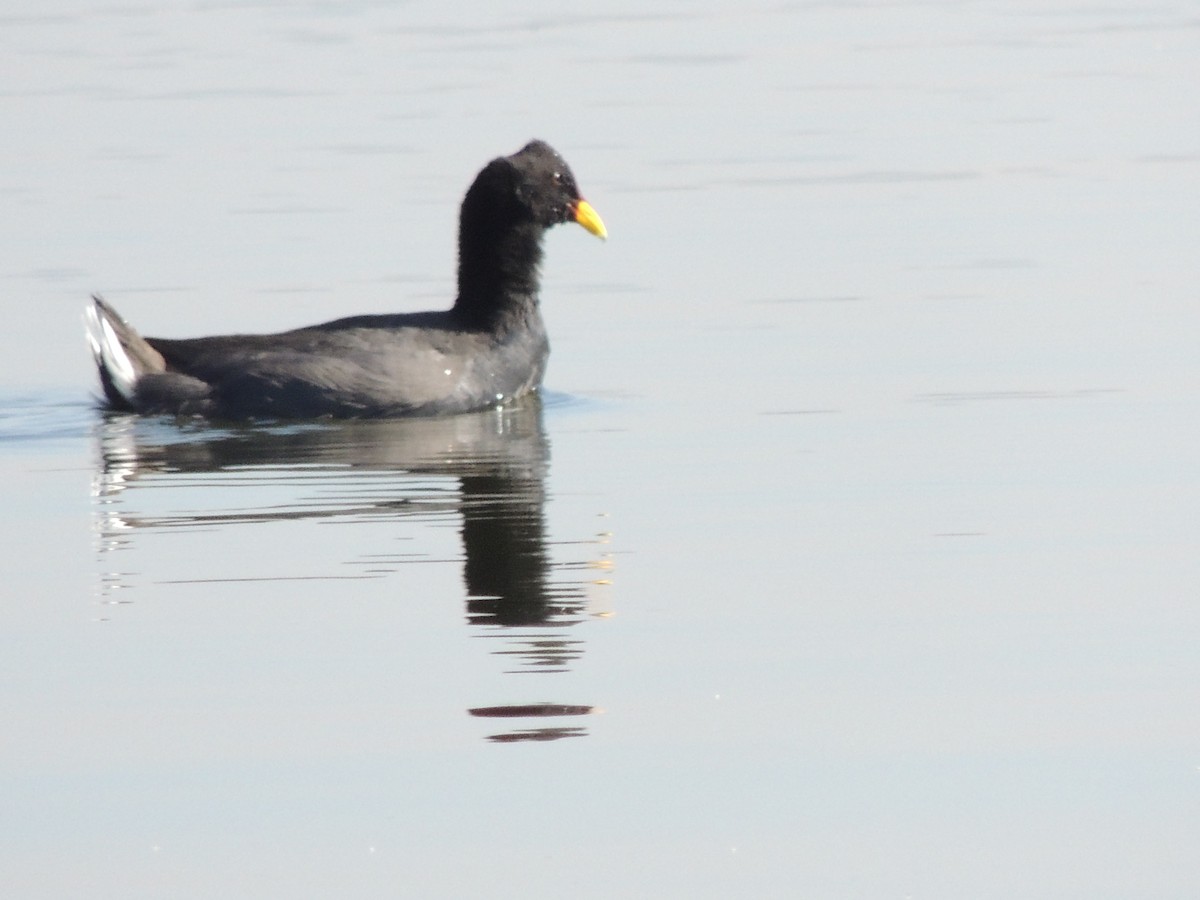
(491, 346)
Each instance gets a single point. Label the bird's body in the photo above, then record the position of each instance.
(366, 366)
(490, 347)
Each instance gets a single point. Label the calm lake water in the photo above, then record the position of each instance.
(851, 550)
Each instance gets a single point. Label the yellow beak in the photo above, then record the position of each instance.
(590, 219)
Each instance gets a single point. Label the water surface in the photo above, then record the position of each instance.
(850, 552)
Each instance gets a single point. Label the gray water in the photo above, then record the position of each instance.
(850, 551)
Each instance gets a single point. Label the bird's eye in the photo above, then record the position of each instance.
(558, 178)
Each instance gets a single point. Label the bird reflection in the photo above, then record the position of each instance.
(546, 733)
(487, 469)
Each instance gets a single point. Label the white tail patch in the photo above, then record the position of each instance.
(91, 324)
(109, 353)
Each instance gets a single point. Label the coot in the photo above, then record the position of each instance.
(490, 347)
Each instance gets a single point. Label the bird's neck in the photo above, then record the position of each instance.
(498, 273)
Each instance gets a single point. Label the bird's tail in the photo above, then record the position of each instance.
(122, 355)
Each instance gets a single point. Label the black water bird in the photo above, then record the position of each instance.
(489, 348)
